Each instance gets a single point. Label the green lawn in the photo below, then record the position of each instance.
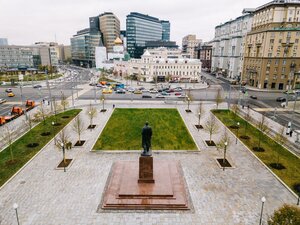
(34, 77)
(290, 175)
(123, 130)
(22, 153)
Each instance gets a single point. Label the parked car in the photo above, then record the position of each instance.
(2, 100)
(106, 91)
(8, 90)
(37, 86)
(178, 93)
(153, 91)
(159, 96)
(280, 99)
(10, 94)
(253, 96)
(146, 96)
(137, 92)
(165, 93)
(120, 91)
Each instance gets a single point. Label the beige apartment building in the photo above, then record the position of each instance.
(272, 51)
(190, 44)
(110, 28)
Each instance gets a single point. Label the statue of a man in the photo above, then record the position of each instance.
(146, 139)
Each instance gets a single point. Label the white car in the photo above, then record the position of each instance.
(2, 100)
(153, 91)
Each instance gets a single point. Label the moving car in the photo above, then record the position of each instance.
(146, 96)
(120, 91)
(253, 96)
(137, 92)
(37, 86)
(8, 90)
(10, 94)
(106, 91)
(153, 91)
(280, 99)
(2, 100)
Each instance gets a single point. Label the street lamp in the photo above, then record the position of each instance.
(188, 103)
(237, 132)
(15, 206)
(53, 123)
(199, 116)
(225, 147)
(64, 157)
(263, 199)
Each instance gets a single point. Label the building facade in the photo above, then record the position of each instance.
(160, 65)
(228, 46)
(272, 51)
(205, 56)
(110, 29)
(166, 29)
(13, 56)
(190, 44)
(83, 46)
(3, 41)
(139, 29)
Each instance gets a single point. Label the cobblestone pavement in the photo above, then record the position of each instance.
(46, 195)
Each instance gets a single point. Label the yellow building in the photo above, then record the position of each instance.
(272, 51)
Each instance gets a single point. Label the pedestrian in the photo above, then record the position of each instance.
(248, 106)
(291, 133)
(243, 106)
(113, 106)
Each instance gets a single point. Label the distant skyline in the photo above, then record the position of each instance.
(25, 22)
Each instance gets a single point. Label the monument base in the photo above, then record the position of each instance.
(146, 169)
(124, 191)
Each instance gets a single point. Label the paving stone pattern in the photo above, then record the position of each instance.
(49, 196)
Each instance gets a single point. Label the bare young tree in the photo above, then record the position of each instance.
(224, 143)
(41, 114)
(7, 136)
(102, 98)
(219, 99)
(92, 113)
(64, 102)
(248, 120)
(201, 112)
(211, 126)
(281, 139)
(78, 127)
(189, 99)
(62, 141)
(235, 110)
(262, 125)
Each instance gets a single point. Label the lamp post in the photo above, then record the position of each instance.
(263, 199)
(15, 206)
(64, 156)
(224, 158)
(188, 103)
(103, 103)
(199, 116)
(53, 123)
(237, 132)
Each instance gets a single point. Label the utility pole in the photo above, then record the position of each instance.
(21, 91)
(49, 91)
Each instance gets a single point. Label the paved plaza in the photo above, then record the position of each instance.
(46, 195)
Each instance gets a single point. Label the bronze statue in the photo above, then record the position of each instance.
(146, 139)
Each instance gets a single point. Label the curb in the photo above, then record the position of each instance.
(287, 187)
(33, 157)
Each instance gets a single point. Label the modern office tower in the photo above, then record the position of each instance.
(3, 41)
(165, 30)
(12, 56)
(228, 46)
(158, 44)
(141, 28)
(272, 55)
(110, 29)
(123, 36)
(190, 44)
(205, 55)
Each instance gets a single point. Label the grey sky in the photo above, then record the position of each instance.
(24, 22)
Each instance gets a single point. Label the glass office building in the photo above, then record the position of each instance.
(83, 46)
(139, 29)
(165, 30)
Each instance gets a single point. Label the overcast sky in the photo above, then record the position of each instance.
(24, 22)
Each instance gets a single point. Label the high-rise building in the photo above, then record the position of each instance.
(165, 30)
(141, 28)
(228, 45)
(3, 41)
(190, 44)
(272, 55)
(110, 29)
(205, 56)
(12, 56)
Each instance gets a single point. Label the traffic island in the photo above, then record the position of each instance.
(79, 143)
(210, 143)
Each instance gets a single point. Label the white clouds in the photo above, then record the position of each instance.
(25, 22)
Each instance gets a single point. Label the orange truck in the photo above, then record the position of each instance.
(30, 104)
(2, 120)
